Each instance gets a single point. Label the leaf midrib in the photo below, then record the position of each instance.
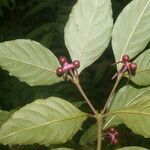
(88, 31)
(127, 43)
(132, 100)
(131, 112)
(37, 66)
(45, 124)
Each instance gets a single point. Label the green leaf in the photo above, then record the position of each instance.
(123, 98)
(63, 149)
(47, 121)
(4, 116)
(142, 76)
(29, 61)
(132, 148)
(137, 116)
(89, 136)
(88, 31)
(131, 30)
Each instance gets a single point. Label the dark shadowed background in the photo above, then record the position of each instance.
(44, 21)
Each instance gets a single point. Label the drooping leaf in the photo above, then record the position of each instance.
(89, 136)
(88, 30)
(132, 148)
(131, 31)
(142, 76)
(123, 98)
(137, 116)
(47, 121)
(4, 116)
(29, 61)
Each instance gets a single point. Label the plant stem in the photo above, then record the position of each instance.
(110, 98)
(75, 79)
(99, 131)
(77, 83)
(101, 115)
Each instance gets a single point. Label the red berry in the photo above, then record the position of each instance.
(133, 67)
(76, 64)
(62, 60)
(112, 130)
(125, 58)
(60, 71)
(116, 133)
(115, 141)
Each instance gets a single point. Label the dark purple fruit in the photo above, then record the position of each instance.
(116, 133)
(62, 60)
(133, 67)
(125, 58)
(60, 71)
(76, 64)
(112, 130)
(114, 142)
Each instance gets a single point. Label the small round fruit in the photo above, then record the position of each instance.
(114, 142)
(125, 58)
(112, 130)
(133, 67)
(60, 71)
(76, 64)
(62, 60)
(116, 134)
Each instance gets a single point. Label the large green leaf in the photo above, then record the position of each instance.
(131, 31)
(123, 98)
(4, 116)
(29, 61)
(142, 76)
(132, 148)
(89, 136)
(47, 121)
(137, 116)
(88, 30)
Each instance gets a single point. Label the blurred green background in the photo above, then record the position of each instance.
(44, 21)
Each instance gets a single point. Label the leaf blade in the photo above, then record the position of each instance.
(131, 95)
(132, 29)
(32, 123)
(89, 136)
(132, 148)
(29, 61)
(83, 37)
(137, 113)
(4, 116)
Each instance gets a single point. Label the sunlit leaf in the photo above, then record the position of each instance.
(132, 148)
(131, 30)
(137, 116)
(47, 121)
(123, 98)
(88, 30)
(29, 61)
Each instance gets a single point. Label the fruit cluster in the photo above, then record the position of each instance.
(128, 66)
(113, 135)
(66, 66)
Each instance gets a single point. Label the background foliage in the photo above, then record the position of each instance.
(44, 21)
